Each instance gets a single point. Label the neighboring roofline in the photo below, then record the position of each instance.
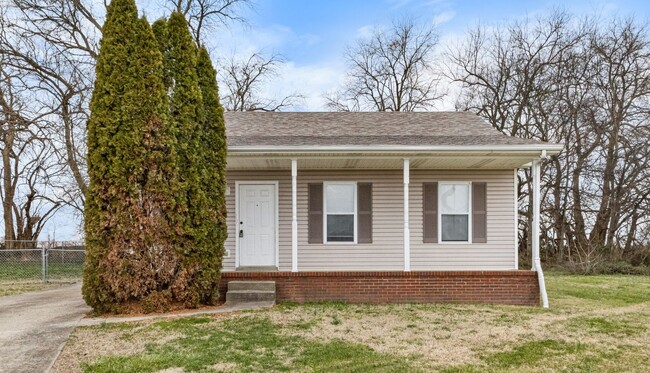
(551, 149)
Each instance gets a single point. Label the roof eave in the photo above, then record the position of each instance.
(550, 149)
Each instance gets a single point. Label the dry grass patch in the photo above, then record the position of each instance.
(446, 335)
(428, 333)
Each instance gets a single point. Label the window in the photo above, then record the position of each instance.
(455, 202)
(340, 212)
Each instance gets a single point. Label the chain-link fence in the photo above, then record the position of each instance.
(40, 261)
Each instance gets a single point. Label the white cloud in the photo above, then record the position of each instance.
(309, 39)
(242, 41)
(395, 4)
(312, 81)
(444, 17)
(365, 32)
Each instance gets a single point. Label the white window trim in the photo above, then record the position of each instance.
(469, 214)
(325, 213)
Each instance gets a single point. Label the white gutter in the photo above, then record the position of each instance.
(537, 264)
(550, 149)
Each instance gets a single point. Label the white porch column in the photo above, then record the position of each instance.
(535, 209)
(294, 215)
(407, 232)
(537, 264)
(516, 207)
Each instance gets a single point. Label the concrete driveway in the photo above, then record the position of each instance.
(34, 327)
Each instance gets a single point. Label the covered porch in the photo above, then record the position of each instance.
(419, 162)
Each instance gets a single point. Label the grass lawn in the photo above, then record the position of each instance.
(32, 271)
(19, 288)
(22, 277)
(595, 324)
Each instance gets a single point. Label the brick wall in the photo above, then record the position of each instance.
(500, 287)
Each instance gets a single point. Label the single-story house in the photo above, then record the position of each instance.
(379, 207)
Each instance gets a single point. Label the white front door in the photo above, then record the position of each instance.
(257, 225)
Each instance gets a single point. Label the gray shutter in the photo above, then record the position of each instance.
(315, 206)
(479, 212)
(364, 213)
(430, 212)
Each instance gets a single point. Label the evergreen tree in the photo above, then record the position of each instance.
(213, 164)
(198, 277)
(160, 32)
(155, 210)
(131, 246)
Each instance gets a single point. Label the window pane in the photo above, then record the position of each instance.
(340, 198)
(340, 228)
(454, 198)
(454, 228)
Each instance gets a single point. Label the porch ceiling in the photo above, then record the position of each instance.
(440, 161)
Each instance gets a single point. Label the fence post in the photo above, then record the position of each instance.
(43, 264)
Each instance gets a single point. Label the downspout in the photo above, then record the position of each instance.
(537, 264)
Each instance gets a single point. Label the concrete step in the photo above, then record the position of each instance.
(248, 296)
(251, 285)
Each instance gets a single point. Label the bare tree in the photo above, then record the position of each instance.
(583, 83)
(28, 198)
(511, 76)
(204, 15)
(392, 70)
(55, 45)
(242, 81)
(622, 81)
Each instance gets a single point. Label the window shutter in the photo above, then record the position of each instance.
(364, 213)
(430, 212)
(315, 206)
(479, 213)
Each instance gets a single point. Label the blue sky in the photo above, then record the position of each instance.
(312, 36)
(318, 31)
(313, 31)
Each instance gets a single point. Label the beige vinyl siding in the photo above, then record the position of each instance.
(499, 251)
(384, 253)
(386, 250)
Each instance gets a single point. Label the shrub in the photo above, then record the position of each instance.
(157, 301)
(621, 268)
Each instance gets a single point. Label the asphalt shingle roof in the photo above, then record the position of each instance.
(363, 128)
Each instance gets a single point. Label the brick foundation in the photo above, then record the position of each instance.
(498, 287)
